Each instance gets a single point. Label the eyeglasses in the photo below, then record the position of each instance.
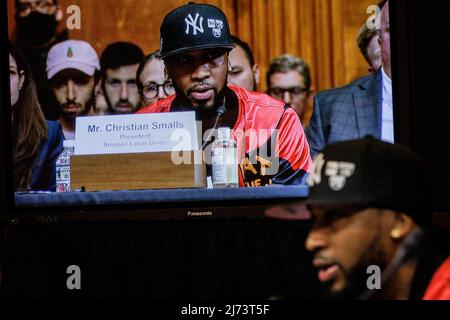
(43, 6)
(151, 90)
(293, 91)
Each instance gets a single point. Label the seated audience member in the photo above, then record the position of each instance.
(198, 65)
(371, 204)
(73, 70)
(38, 28)
(37, 143)
(369, 45)
(119, 63)
(289, 80)
(361, 108)
(244, 71)
(152, 83)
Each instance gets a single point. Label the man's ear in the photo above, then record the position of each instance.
(59, 15)
(256, 72)
(402, 226)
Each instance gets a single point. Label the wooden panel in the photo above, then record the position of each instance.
(323, 32)
(134, 172)
(11, 23)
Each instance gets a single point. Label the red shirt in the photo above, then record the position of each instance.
(263, 124)
(439, 287)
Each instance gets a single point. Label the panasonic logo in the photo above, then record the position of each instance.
(199, 213)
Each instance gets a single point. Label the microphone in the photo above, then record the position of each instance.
(220, 111)
(408, 249)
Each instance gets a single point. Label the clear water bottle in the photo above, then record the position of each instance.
(63, 166)
(224, 161)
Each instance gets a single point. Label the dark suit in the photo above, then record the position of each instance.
(347, 113)
(44, 169)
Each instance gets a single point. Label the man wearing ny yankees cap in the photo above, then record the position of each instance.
(371, 204)
(195, 43)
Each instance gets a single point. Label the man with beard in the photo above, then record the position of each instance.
(371, 203)
(244, 71)
(195, 42)
(73, 70)
(119, 63)
(36, 32)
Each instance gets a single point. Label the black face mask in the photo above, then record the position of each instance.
(36, 29)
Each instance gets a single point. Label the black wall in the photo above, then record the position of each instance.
(421, 77)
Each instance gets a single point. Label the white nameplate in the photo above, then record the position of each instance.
(136, 133)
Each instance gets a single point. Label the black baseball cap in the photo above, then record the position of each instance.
(192, 27)
(372, 173)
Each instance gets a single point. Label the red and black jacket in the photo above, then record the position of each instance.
(272, 146)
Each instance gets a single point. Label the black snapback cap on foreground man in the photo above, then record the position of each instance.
(192, 27)
(372, 173)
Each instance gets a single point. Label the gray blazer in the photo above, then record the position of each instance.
(347, 113)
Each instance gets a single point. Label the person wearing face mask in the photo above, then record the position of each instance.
(37, 143)
(37, 23)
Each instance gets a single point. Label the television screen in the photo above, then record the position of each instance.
(86, 125)
(125, 112)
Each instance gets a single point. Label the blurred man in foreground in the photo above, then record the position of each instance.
(371, 204)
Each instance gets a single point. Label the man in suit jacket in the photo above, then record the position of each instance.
(359, 109)
(347, 113)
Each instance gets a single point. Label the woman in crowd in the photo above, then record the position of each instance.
(37, 143)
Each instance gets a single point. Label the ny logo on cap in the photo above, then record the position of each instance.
(191, 22)
(316, 170)
(338, 172)
(216, 26)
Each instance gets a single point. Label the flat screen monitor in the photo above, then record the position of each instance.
(326, 36)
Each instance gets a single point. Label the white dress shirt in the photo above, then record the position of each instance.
(387, 113)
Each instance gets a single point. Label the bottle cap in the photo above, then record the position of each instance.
(224, 133)
(69, 144)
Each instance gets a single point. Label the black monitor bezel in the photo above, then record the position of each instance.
(105, 212)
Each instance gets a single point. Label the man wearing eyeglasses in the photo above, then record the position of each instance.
(36, 32)
(289, 80)
(152, 83)
(195, 46)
